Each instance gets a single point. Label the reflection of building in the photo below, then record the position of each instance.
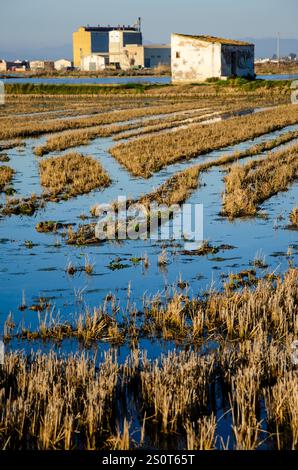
(145, 56)
(96, 40)
(41, 65)
(94, 62)
(62, 64)
(196, 58)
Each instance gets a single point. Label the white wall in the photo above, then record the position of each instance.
(194, 60)
(3, 66)
(93, 62)
(62, 64)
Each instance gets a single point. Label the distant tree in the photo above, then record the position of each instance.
(292, 56)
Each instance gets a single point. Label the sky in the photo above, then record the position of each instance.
(29, 25)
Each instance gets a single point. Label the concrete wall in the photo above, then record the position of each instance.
(115, 46)
(194, 60)
(145, 56)
(118, 40)
(93, 63)
(133, 56)
(41, 65)
(237, 60)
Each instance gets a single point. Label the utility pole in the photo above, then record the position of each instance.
(278, 48)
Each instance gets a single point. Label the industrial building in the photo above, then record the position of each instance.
(94, 62)
(196, 58)
(42, 65)
(16, 65)
(139, 56)
(119, 40)
(96, 40)
(62, 64)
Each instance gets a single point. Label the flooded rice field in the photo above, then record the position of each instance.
(156, 300)
(39, 270)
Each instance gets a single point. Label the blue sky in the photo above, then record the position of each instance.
(32, 24)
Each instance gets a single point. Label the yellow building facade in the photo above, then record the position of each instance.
(81, 45)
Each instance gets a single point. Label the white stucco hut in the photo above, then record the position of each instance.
(196, 58)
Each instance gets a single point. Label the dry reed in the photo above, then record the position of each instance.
(294, 217)
(72, 174)
(249, 185)
(63, 403)
(6, 175)
(146, 155)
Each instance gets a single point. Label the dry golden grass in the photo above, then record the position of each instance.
(282, 407)
(32, 115)
(72, 174)
(163, 387)
(164, 124)
(201, 435)
(55, 401)
(178, 188)
(148, 154)
(51, 403)
(22, 107)
(267, 145)
(6, 175)
(237, 314)
(249, 185)
(75, 138)
(294, 217)
(276, 68)
(244, 402)
(33, 127)
(11, 144)
(120, 441)
(22, 206)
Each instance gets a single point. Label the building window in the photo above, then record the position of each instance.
(177, 55)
